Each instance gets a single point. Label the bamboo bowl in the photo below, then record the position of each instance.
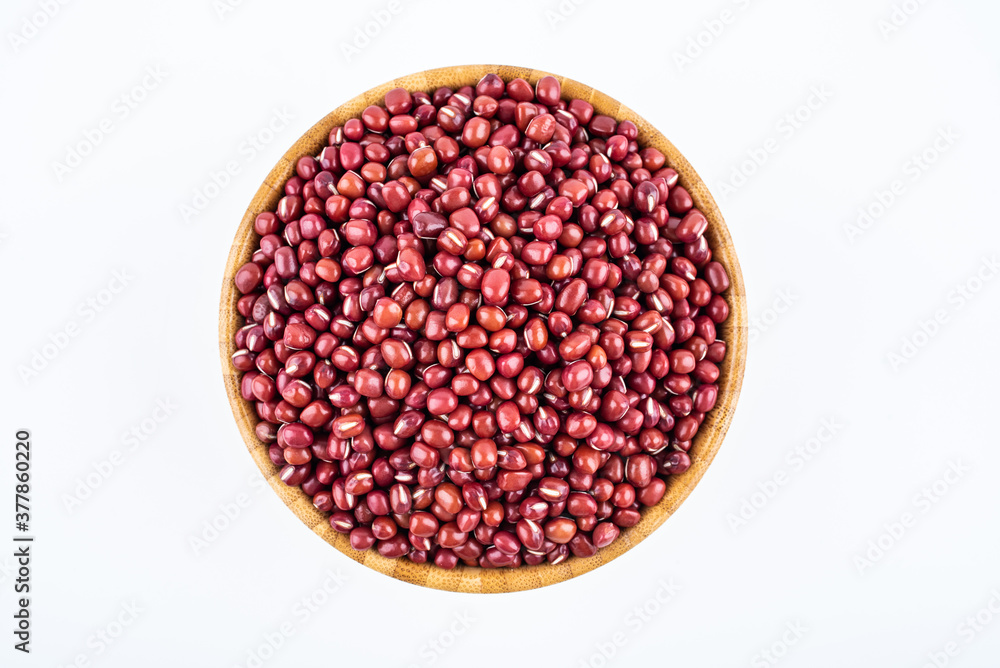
(464, 578)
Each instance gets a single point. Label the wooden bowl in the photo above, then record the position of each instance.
(463, 578)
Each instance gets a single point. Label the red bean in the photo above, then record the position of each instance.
(548, 91)
(705, 397)
(476, 322)
(410, 265)
(394, 548)
(423, 524)
(560, 530)
(387, 313)
(553, 490)
(675, 463)
(651, 494)
(495, 286)
(368, 383)
(716, 276)
(691, 227)
(640, 469)
(513, 481)
(530, 533)
(577, 375)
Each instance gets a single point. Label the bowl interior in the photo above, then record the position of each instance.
(706, 443)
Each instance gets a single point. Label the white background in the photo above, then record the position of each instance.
(832, 300)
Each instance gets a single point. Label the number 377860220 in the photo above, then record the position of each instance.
(22, 491)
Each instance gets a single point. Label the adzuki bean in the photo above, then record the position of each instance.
(482, 326)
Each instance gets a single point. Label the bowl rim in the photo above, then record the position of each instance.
(706, 444)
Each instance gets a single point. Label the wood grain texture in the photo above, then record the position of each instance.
(463, 578)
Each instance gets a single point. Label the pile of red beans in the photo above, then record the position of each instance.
(481, 326)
